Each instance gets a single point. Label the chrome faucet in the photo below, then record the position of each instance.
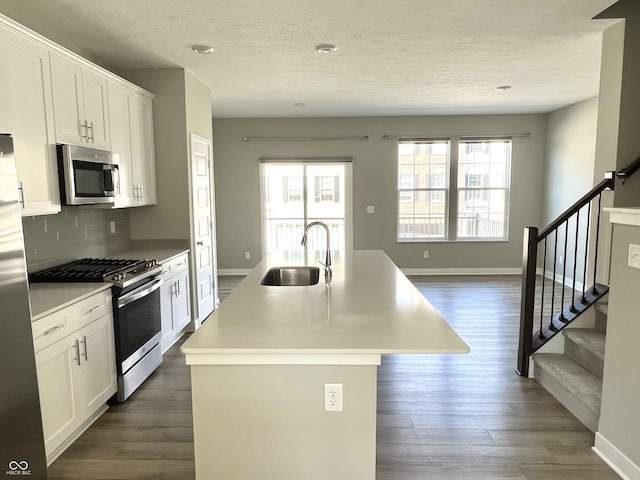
(327, 258)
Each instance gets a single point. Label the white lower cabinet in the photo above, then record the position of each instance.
(175, 300)
(76, 373)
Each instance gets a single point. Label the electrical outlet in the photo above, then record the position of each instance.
(112, 226)
(634, 256)
(371, 209)
(247, 255)
(332, 397)
(561, 260)
(425, 254)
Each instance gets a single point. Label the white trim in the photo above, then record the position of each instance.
(461, 271)
(234, 271)
(282, 358)
(618, 461)
(624, 216)
(19, 29)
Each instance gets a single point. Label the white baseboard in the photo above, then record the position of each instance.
(567, 281)
(618, 461)
(234, 271)
(461, 271)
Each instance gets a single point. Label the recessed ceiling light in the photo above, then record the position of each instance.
(204, 49)
(299, 104)
(326, 48)
(503, 88)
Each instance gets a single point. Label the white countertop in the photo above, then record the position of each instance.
(47, 298)
(371, 308)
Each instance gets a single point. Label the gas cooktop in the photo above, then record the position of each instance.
(120, 272)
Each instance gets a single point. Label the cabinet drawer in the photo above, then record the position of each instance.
(175, 265)
(58, 325)
(51, 328)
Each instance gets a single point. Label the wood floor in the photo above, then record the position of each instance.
(452, 417)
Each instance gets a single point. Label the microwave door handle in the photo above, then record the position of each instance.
(139, 293)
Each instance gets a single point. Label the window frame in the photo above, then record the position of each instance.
(453, 191)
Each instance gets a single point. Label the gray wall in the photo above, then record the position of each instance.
(570, 163)
(619, 420)
(76, 232)
(237, 183)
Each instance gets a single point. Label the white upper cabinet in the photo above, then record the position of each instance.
(27, 114)
(131, 124)
(142, 150)
(80, 104)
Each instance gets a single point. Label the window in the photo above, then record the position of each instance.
(291, 189)
(453, 189)
(326, 188)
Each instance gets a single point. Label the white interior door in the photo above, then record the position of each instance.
(203, 226)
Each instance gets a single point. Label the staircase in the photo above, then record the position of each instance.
(575, 377)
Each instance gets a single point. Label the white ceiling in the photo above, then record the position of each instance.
(399, 57)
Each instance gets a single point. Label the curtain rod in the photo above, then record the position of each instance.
(301, 139)
(442, 137)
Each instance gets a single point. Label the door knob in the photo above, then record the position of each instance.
(200, 242)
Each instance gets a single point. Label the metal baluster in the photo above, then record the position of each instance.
(595, 257)
(586, 253)
(575, 264)
(553, 278)
(564, 269)
(544, 278)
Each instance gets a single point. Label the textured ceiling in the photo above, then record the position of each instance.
(400, 57)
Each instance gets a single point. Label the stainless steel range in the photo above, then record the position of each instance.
(136, 311)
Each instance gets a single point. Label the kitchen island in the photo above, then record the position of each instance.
(260, 363)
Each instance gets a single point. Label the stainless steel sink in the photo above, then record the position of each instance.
(291, 276)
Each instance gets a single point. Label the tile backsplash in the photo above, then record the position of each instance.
(76, 232)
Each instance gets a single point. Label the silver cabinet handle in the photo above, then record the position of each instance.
(84, 341)
(21, 189)
(53, 330)
(77, 347)
(178, 287)
(92, 137)
(95, 309)
(86, 130)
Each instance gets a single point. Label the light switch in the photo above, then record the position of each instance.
(371, 209)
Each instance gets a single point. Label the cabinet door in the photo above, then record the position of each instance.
(28, 113)
(68, 102)
(142, 150)
(96, 377)
(120, 128)
(96, 109)
(56, 366)
(166, 312)
(181, 300)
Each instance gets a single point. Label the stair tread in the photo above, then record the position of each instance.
(584, 385)
(602, 307)
(589, 339)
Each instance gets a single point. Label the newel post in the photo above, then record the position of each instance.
(529, 264)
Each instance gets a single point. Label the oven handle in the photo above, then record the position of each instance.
(137, 294)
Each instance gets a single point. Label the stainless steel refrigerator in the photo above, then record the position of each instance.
(21, 439)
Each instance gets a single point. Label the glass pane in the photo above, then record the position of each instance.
(481, 213)
(422, 184)
(484, 164)
(326, 203)
(288, 208)
(284, 209)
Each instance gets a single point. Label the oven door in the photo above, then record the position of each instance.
(137, 323)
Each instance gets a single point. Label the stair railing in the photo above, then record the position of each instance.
(547, 300)
(628, 171)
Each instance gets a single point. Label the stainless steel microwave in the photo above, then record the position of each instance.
(87, 176)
